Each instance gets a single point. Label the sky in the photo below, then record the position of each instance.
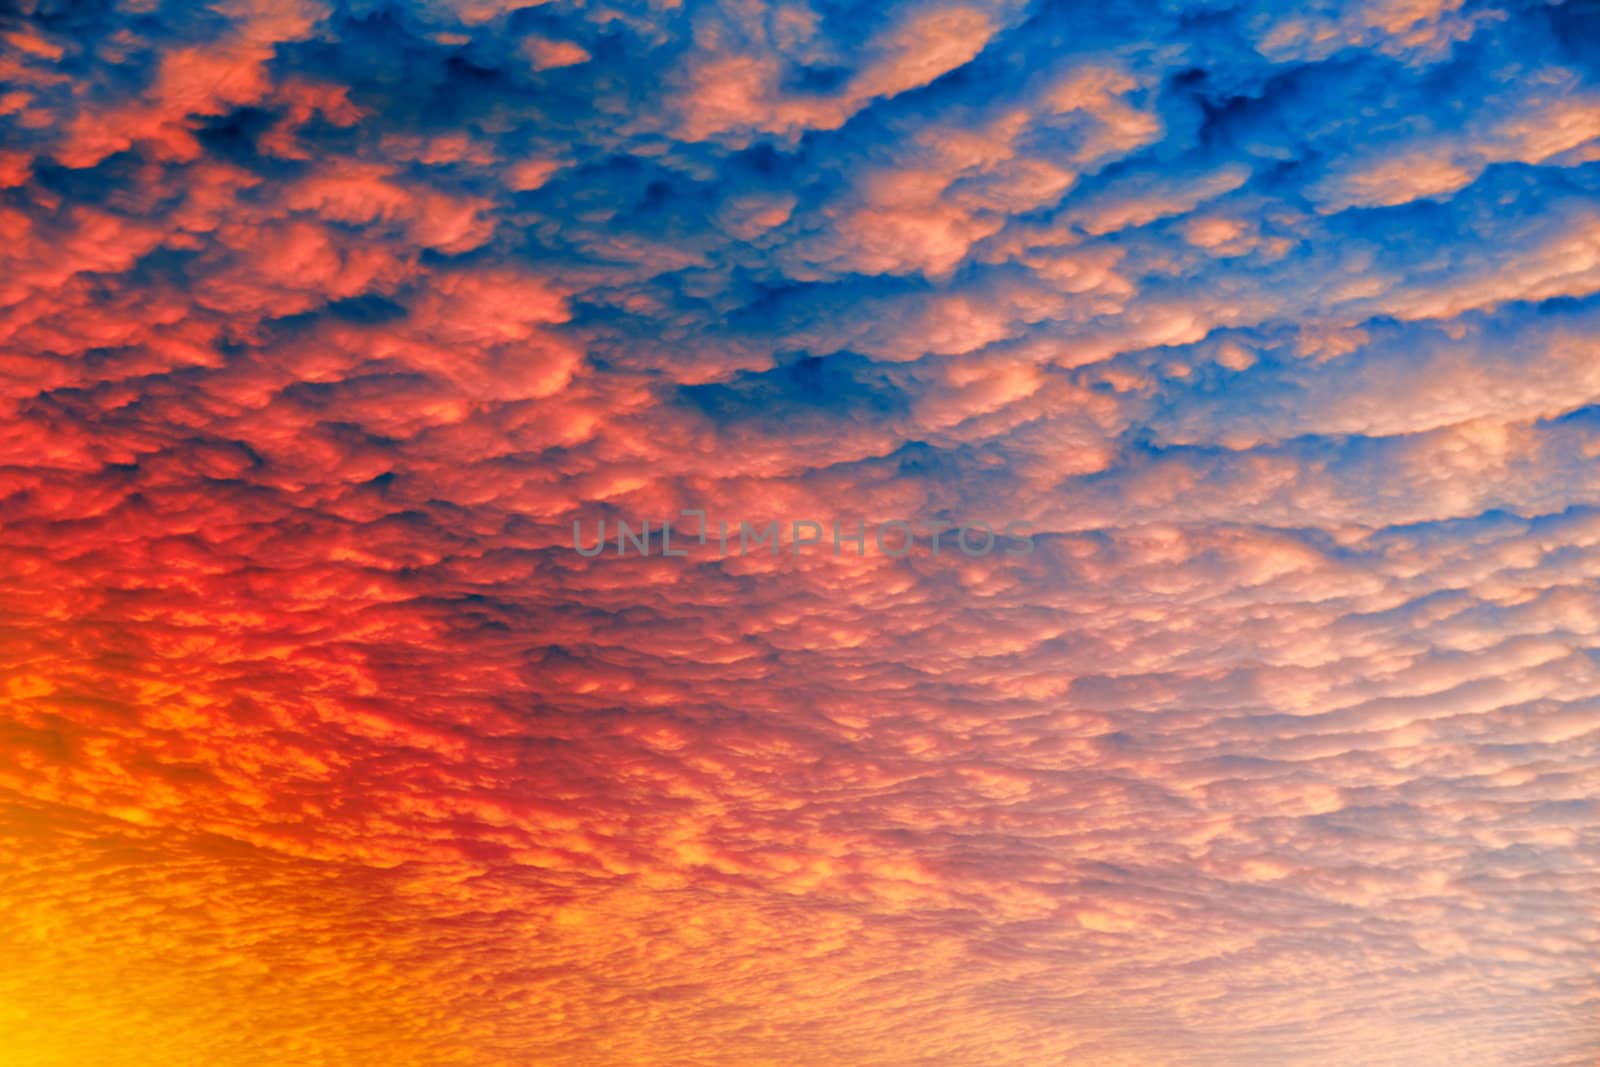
(1270, 739)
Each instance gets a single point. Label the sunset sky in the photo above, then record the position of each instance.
(1276, 325)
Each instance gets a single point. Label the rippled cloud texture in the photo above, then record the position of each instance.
(1278, 323)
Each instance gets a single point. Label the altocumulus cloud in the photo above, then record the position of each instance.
(321, 324)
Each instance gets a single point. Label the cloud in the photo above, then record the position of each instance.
(321, 327)
(736, 79)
